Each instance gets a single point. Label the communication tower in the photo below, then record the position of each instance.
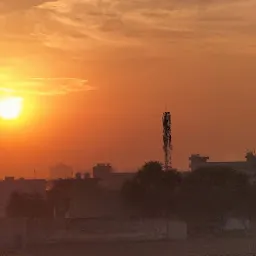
(167, 140)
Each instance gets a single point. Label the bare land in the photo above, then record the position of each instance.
(196, 247)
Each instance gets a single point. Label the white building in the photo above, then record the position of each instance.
(248, 166)
(10, 185)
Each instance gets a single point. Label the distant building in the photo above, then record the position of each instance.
(108, 178)
(93, 197)
(74, 194)
(85, 198)
(90, 200)
(102, 171)
(248, 166)
(10, 185)
(61, 171)
(116, 180)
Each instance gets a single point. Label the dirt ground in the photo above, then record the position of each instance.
(195, 247)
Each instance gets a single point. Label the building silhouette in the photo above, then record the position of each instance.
(108, 178)
(248, 166)
(61, 171)
(10, 185)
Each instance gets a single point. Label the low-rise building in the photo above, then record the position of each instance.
(248, 166)
(109, 179)
(10, 185)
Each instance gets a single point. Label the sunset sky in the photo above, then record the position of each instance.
(96, 75)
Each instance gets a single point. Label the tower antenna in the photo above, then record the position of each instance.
(167, 140)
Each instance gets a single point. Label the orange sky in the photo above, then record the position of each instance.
(106, 70)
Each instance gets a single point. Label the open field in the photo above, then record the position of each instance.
(195, 247)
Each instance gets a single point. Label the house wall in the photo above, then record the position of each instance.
(22, 232)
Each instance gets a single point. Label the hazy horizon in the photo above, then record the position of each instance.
(96, 76)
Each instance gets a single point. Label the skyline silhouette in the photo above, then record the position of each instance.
(95, 77)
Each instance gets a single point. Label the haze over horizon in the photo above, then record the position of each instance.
(96, 75)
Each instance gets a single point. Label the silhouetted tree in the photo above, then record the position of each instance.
(214, 191)
(152, 190)
(209, 192)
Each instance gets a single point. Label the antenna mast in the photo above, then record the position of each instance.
(167, 140)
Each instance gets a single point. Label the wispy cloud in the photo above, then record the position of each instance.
(44, 86)
(149, 23)
(93, 27)
(14, 5)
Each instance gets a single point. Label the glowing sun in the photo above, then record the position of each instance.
(10, 107)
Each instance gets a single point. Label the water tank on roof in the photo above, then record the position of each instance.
(87, 175)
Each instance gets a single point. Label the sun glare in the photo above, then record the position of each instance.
(10, 107)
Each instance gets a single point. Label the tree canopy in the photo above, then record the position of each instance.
(151, 191)
(213, 191)
(210, 191)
